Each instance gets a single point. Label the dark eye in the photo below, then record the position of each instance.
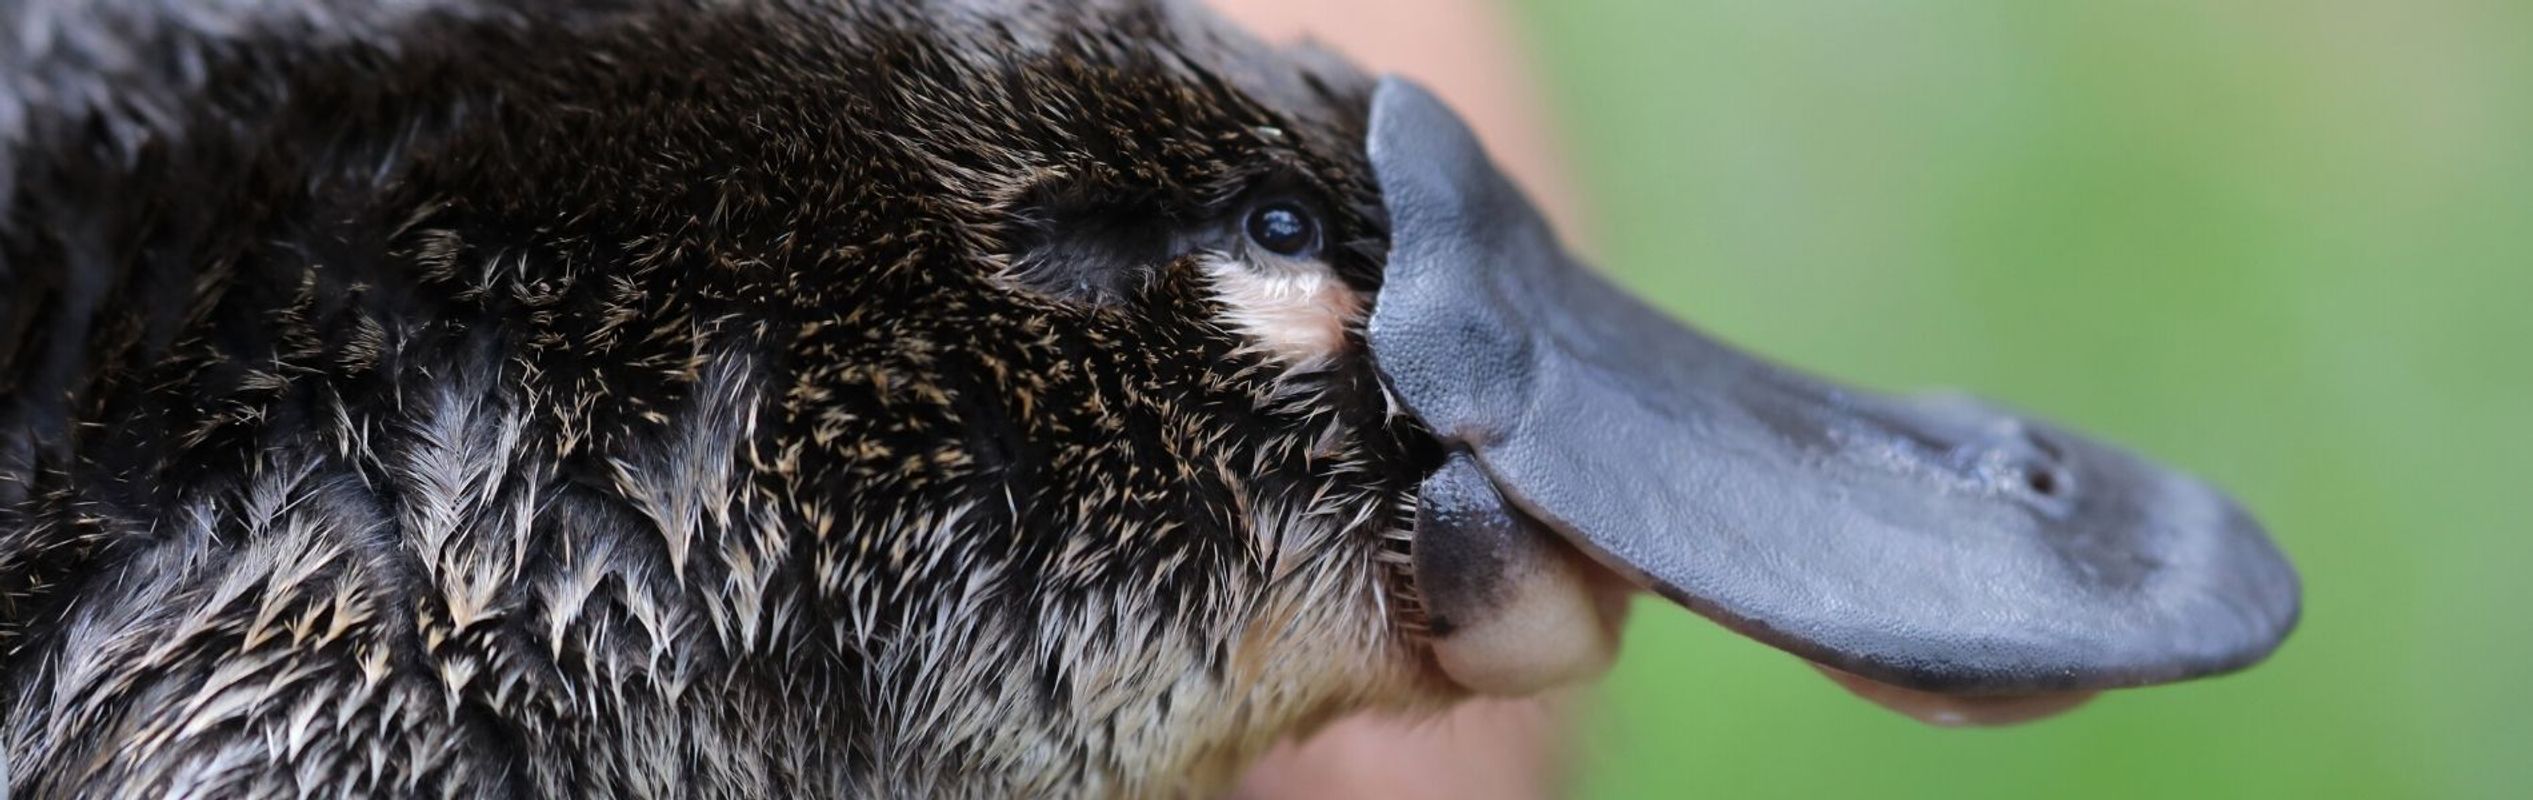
(1284, 229)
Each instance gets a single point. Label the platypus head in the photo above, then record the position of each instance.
(1081, 395)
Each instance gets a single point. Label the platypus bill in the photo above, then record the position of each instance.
(903, 398)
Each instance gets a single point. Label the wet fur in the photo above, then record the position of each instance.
(656, 399)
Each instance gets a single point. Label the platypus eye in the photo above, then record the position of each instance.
(1285, 229)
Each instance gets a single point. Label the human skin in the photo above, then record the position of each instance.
(1467, 52)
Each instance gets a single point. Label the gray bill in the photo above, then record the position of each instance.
(1931, 543)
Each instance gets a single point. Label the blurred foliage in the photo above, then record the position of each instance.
(2287, 245)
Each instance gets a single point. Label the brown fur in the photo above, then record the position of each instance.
(675, 399)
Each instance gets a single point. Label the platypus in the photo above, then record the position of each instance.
(980, 398)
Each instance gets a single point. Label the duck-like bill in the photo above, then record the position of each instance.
(1936, 544)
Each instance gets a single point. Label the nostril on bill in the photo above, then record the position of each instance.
(2044, 466)
(2042, 481)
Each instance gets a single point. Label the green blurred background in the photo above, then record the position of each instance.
(2287, 245)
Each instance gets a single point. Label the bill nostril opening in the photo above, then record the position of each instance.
(2041, 461)
(2042, 481)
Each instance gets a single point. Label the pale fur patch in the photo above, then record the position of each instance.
(1153, 720)
(1296, 312)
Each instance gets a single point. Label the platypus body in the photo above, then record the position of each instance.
(882, 398)
(747, 399)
